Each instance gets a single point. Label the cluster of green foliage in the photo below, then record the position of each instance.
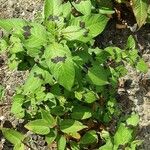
(140, 8)
(69, 95)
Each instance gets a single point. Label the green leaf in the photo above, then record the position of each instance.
(16, 108)
(48, 118)
(130, 43)
(97, 75)
(13, 136)
(140, 9)
(16, 48)
(133, 120)
(58, 110)
(51, 136)
(11, 24)
(89, 138)
(59, 61)
(142, 66)
(19, 146)
(52, 8)
(84, 7)
(115, 53)
(66, 9)
(90, 97)
(123, 135)
(38, 126)
(61, 143)
(72, 33)
(81, 112)
(71, 126)
(37, 38)
(36, 78)
(94, 25)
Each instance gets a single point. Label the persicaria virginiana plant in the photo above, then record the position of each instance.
(70, 94)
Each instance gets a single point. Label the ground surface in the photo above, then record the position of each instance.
(134, 95)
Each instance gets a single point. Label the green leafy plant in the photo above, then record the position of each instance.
(140, 9)
(70, 90)
(123, 138)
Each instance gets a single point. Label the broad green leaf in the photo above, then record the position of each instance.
(49, 138)
(59, 61)
(37, 38)
(133, 55)
(140, 9)
(61, 143)
(133, 120)
(94, 25)
(38, 126)
(36, 78)
(11, 24)
(89, 97)
(84, 7)
(35, 52)
(16, 108)
(58, 110)
(33, 81)
(130, 43)
(19, 146)
(81, 112)
(48, 118)
(16, 45)
(71, 126)
(89, 137)
(72, 32)
(52, 8)
(66, 9)
(13, 136)
(97, 75)
(123, 135)
(142, 66)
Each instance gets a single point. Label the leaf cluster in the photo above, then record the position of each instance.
(69, 95)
